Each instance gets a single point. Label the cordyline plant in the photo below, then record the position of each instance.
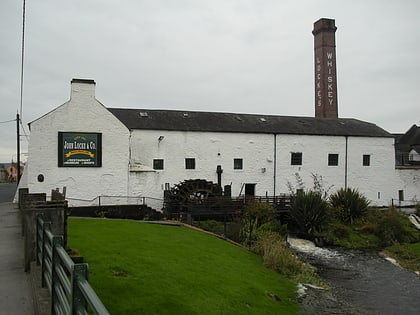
(309, 211)
(349, 204)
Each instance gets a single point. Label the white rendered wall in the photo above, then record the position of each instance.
(315, 150)
(83, 113)
(209, 150)
(377, 181)
(379, 177)
(409, 182)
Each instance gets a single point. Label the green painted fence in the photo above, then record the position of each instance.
(67, 282)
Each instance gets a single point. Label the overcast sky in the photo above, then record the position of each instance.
(245, 56)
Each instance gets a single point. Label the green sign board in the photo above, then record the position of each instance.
(79, 149)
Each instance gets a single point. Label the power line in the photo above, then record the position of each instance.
(7, 121)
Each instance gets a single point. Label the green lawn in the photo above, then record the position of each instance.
(139, 268)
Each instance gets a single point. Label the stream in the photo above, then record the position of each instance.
(361, 283)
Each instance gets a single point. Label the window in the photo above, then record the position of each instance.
(296, 158)
(158, 164)
(237, 164)
(366, 160)
(250, 189)
(190, 163)
(332, 159)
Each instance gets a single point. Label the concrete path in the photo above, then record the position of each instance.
(16, 295)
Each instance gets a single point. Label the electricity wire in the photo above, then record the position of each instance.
(7, 121)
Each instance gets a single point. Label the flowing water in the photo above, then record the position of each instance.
(366, 281)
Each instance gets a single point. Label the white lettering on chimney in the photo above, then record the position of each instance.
(318, 82)
(330, 78)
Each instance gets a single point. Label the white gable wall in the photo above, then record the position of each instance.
(83, 113)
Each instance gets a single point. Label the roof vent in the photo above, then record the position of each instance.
(144, 114)
(238, 118)
(186, 115)
(263, 119)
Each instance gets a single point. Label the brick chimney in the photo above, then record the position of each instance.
(326, 105)
(82, 89)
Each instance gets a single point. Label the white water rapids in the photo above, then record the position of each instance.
(367, 281)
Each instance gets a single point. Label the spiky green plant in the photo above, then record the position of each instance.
(349, 204)
(308, 210)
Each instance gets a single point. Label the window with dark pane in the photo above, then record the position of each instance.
(158, 164)
(366, 159)
(332, 159)
(237, 164)
(296, 158)
(190, 163)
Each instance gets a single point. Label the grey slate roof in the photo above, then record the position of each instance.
(176, 120)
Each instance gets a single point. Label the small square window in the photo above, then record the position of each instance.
(366, 159)
(296, 158)
(158, 164)
(237, 164)
(332, 159)
(190, 163)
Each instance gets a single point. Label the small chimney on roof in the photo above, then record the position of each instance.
(82, 89)
(326, 105)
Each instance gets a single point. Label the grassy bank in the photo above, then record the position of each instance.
(407, 255)
(151, 269)
(387, 230)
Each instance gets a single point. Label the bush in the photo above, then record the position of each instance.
(391, 229)
(308, 211)
(277, 256)
(349, 204)
(368, 228)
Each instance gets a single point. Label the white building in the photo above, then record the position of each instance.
(97, 151)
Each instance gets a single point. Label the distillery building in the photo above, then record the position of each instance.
(127, 153)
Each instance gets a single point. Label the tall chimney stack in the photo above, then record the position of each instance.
(325, 69)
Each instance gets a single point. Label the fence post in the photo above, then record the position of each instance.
(45, 226)
(39, 239)
(56, 241)
(80, 271)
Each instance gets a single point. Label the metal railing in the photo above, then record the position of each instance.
(105, 200)
(67, 282)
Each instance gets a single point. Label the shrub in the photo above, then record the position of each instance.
(277, 256)
(258, 217)
(368, 228)
(391, 229)
(349, 204)
(308, 211)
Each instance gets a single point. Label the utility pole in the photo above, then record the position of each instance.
(18, 148)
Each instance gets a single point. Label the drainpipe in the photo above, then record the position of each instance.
(346, 163)
(275, 165)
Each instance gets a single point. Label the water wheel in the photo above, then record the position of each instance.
(191, 193)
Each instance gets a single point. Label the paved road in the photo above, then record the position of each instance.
(16, 295)
(7, 192)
